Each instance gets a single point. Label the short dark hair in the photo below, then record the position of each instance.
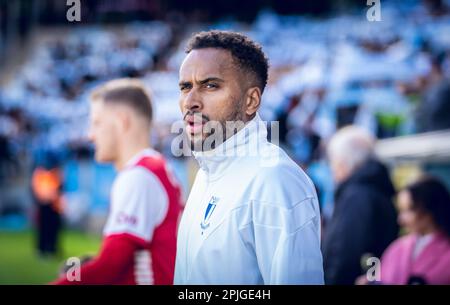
(248, 54)
(127, 91)
(430, 196)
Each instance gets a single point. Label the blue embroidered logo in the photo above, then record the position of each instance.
(209, 210)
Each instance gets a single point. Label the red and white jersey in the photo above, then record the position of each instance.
(139, 201)
(139, 244)
(145, 204)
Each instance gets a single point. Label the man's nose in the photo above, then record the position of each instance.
(193, 101)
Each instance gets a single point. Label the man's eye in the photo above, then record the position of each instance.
(211, 86)
(184, 87)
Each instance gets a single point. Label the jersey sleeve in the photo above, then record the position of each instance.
(288, 244)
(115, 255)
(139, 203)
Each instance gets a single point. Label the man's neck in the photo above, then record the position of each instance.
(128, 152)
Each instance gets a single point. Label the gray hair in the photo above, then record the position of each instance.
(352, 146)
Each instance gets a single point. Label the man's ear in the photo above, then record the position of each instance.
(253, 101)
(124, 118)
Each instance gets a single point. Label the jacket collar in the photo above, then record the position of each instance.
(246, 142)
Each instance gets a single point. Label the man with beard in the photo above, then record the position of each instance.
(252, 216)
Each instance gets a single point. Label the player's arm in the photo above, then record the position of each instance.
(116, 254)
(288, 245)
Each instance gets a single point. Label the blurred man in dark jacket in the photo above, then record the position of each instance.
(364, 218)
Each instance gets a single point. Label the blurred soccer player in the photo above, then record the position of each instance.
(140, 234)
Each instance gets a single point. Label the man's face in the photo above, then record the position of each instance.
(339, 171)
(103, 131)
(210, 93)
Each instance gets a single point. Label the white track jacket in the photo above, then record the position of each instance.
(252, 217)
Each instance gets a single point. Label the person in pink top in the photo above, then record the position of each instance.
(423, 255)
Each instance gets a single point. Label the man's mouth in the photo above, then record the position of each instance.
(194, 124)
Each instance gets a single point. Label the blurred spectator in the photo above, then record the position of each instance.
(433, 113)
(46, 186)
(364, 218)
(436, 7)
(6, 157)
(13, 126)
(423, 255)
